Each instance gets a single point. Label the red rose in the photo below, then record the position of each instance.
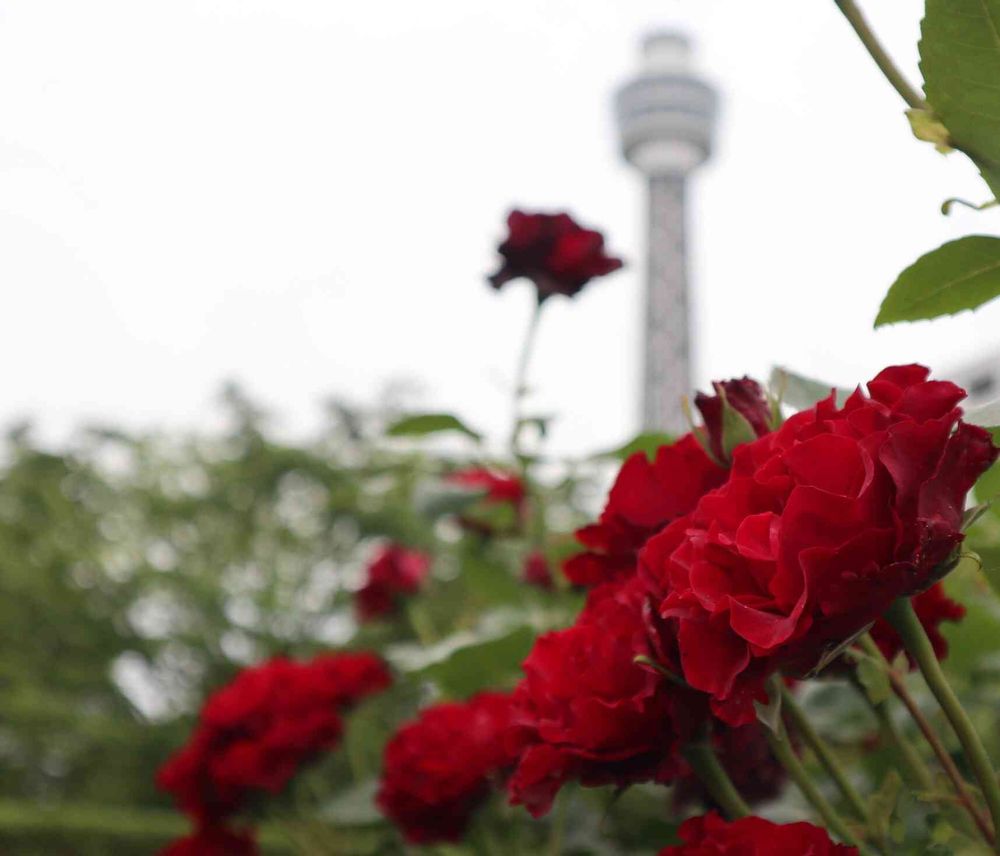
(743, 399)
(497, 489)
(585, 710)
(437, 769)
(644, 498)
(256, 732)
(213, 841)
(394, 571)
(554, 252)
(820, 526)
(536, 571)
(710, 835)
(932, 607)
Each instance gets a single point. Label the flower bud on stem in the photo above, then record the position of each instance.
(906, 623)
(713, 776)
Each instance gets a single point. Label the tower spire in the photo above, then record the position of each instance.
(666, 115)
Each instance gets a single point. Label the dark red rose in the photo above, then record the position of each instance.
(644, 498)
(438, 768)
(932, 607)
(393, 572)
(710, 835)
(554, 252)
(213, 841)
(819, 527)
(255, 733)
(586, 711)
(739, 411)
(746, 756)
(536, 571)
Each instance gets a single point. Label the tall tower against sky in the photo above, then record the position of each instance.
(665, 116)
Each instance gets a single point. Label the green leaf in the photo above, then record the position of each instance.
(959, 275)
(960, 61)
(883, 802)
(769, 715)
(421, 424)
(799, 391)
(648, 442)
(736, 428)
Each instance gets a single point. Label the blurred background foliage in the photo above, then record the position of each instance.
(140, 571)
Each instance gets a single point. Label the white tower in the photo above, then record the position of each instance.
(665, 116)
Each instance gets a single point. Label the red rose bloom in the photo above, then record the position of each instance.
(497, 487)
(536, 571)
(820, 526)
(932, 607)
(437, 769)
(394, 571)
(213, 841)
(710, 835)
(585, 710)
(256, 732)
(554, 252)
(644, 498)
(744, 397)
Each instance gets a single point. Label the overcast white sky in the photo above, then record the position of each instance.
(305, 195)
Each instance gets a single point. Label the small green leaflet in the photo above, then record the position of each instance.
(959, 275)
(421, 424)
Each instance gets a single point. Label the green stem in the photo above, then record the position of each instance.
(713, 776)
(822, 751)
(555, 843)
(878, 53)
(917, 772)
(521, 377)
(911, 631)
(782, 749)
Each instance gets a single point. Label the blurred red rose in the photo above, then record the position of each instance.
(586, 711)
(394, 571)
(437, 769)
(254, 733)
(820, 526)
(932, 607)
(213, 841)
(710, 835)
(536, 570)
(497, 489)
(744, 399)
(554, 252)
(644, 498)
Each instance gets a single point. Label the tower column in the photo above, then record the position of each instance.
(666, 340)
(666, 115)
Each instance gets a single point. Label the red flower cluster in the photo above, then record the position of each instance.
(554, 252)
(820, 526)
(710, 835)
(497, 488)
(437, 769)
(644, 498)
(932, 607)
(256, 732)
(585, 710)
(536, 571)
(394, 571)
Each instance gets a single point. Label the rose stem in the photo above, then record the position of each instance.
(878, 53)
(521, 377)
(931, 736)
(918, 773)
(911, 631)
(781, 747)
(710, 772)
(823, 753)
